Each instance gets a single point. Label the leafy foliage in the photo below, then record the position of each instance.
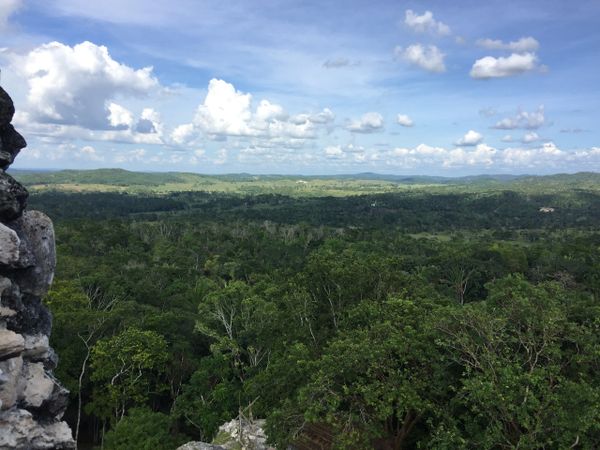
(454, 316)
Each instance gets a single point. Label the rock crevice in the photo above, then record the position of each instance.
(32, 401)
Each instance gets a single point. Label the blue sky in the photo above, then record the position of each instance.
(305, 87)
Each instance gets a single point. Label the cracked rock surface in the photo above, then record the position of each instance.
(32, 401)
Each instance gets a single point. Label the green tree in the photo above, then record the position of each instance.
(127, 370)
(143, 429)
(529, 374)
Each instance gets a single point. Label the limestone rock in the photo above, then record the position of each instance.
(200, 446)
(10, 372)
(7, 108)
(36, 347)
(32, 401)
(13, 197)
(235, 435)
(9, 245)
(36, 229)
(11, 143)
(21, 431)
(36, 386)
(11, 344)
(32, 316)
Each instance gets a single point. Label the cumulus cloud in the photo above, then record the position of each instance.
(523, 119)
(482, 155)
(428, 57)
(546, 157)
(515, 64)
(523, 45)
(348, 153)
(8, 8)
(184, 134)
(227, 112)
(118, 116)
(471, 137)
(425, 23)
(404, 120)
(370, 122)
(150, 122)
(77, 85)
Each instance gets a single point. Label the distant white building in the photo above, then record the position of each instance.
(546, 209)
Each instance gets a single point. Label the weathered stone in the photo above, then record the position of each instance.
(200, 446)
(35, 385)
(11, 344)
(11, 143)
(5, 285)
(32, 317)
(13, 197)
(21, 431)
(36, 229)
(56, 405)
(9, 245)
(7, 108)
(31, 399)
(10, 373)
(36, 347)
(233, 435)
(5, 291)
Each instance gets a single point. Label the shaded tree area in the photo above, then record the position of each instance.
(384, 321)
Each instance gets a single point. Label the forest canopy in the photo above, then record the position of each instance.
(450, 316)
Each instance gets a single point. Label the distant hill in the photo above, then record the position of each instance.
(119, 180)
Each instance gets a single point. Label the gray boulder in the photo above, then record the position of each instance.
(9, 246)
(13, 197)
(7, 108)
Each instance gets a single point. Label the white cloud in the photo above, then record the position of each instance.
(530, 137)
(428, 57)
(334, 151)
(267, 111)
(7, 8)
(89, 152)
(523, 45)
(507, 138)
(482, 155)
(227, 112)
(526, 120)
(76, 85)
(546, 157)
(369, 123)
(515, 64)
(425, 23)
(183, 134)
(149, 123)
(119, 116)
(471, 137)
(404, 120)
(324, 117)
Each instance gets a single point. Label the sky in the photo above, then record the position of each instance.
(305, 87)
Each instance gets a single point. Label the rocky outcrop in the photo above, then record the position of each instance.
(32, 401)
(235, 435)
